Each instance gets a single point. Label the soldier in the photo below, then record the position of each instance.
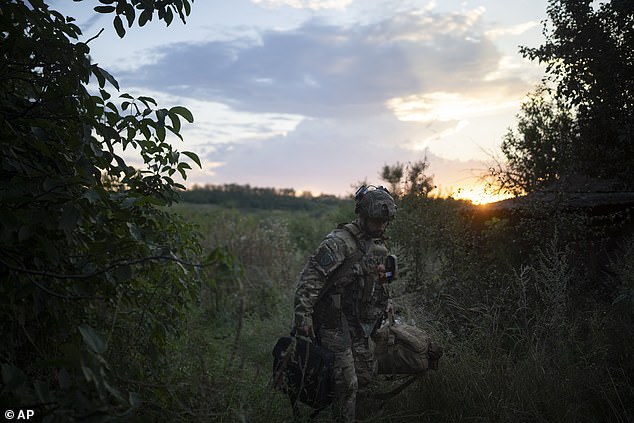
(342, 294)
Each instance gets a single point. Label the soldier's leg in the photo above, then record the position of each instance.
(366, 369)
(344, 376)
(364, 361)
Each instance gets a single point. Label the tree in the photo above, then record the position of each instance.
(590, 66)
(408, 179)
(393, 175)
(541, 150)
(94, 272)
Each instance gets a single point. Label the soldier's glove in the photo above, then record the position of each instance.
(307, 331)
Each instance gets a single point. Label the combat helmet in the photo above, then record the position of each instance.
(374, 202)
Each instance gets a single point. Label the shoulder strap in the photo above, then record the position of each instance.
(355, 231)
(350, 261)
(347, 264)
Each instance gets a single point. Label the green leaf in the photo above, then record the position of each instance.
(88, 374)
(169, 16)
(131, 133)
(147, 100)
(145, 130)
(194, 157)
(110, 105)
(104, 9)
(129, 14)
(160, 132)
(103, 75)
(182, 172)
(100, 79)
(105, 94)
(176, 123)
(182, 167)
(92, 339)
(145, 17)
(181, 15)
(118, 26)
(184, 112)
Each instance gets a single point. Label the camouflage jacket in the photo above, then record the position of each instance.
(341, 281)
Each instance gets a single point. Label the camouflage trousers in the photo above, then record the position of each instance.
(355, 368)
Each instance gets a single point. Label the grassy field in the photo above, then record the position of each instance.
(530, 334)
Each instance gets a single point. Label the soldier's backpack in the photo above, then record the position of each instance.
(303, 371)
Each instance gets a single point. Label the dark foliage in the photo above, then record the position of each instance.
(94, 274)
(247, 197)
(582, 124)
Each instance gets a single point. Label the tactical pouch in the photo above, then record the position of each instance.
(303, 371)
(391, 268)
(404, 349)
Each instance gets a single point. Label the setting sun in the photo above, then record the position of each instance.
(480, 195)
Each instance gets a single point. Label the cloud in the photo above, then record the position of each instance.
(427, 27)
(511, 30)
(330, 163)
(443, 106)
(305, 4)
(323, 70)
(329, 153)
(321, 106)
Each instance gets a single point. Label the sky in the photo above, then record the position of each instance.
(319, 95)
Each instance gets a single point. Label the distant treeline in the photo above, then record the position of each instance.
(248, 197)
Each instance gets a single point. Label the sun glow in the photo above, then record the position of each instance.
(479, 195)
(445, 106)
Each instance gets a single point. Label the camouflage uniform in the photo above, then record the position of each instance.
(342, 296)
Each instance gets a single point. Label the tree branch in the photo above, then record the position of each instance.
(96, 36)
(100, 271)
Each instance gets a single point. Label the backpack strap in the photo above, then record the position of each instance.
(348, 262)
(356, 233)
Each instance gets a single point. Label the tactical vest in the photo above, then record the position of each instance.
(353, 294)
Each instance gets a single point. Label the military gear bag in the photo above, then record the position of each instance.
(303, 371)
(404, 349)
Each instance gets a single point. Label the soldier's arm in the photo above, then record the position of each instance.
(313, 280)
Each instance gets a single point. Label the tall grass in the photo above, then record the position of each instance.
(528, 331)
(529, 335)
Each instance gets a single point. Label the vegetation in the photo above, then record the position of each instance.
(247, 197)
(533, 327)
(579, 124)
(532, 324)
(539, 152)
(118, 304)
(95, 275)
